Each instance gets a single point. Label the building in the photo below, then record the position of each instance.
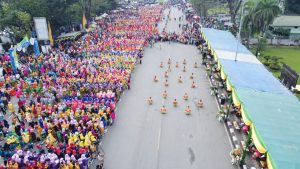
(292, 23)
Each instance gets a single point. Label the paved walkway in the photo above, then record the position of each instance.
(143, 138)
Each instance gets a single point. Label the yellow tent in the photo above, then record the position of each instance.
(50, 34)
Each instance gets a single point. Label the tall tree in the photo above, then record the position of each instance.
(260, 15)
(249, 28)
(265, 13)
(292, 7)
(234, 6)
(17, 14)
(202, 6)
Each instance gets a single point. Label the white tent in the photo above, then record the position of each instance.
(244, 57)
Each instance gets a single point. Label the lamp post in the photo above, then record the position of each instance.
(239, 31)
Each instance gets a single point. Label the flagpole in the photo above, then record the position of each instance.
(239, 31)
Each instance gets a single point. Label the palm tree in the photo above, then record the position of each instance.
(262, 15)
(265, 13)
(248, 22)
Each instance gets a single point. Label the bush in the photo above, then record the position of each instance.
(266, 63)
(281, 32)
(275, 67)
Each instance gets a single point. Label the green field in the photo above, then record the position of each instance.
(289, 55)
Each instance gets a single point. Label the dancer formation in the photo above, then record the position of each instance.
(67, 98)
(166, 84)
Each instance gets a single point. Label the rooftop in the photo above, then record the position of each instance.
(286, 20)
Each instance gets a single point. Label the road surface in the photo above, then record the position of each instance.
(143, 138)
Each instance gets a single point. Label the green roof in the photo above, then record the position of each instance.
(276, 118)
(286, 21)
(295, 31)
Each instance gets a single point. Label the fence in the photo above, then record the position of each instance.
(279, 42)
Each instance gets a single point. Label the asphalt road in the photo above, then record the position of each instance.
(172, 26)
(143, 138)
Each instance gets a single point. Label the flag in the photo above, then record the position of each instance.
(36, 47)
(24, 42)
(50, 34)
(83, 21)
(12, 59)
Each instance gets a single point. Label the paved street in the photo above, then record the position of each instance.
(172, 25)
(143, 138)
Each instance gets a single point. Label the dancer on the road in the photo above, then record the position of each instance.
(155, 79)
(185, 96)
(165, 94)
(163, 109)
(200, 104)
(150, 101)
(179, 79)
(175, 103)
(188, 110)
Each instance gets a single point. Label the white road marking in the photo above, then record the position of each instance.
(234, 138)
(228, 136)
(158, 141)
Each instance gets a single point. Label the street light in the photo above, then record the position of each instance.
(239, 31)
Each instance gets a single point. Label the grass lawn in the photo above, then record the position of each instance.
(289, 55)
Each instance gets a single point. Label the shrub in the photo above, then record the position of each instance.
(275, 67)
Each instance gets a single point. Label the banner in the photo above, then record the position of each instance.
(36, 48)
(12, 59)
(24, 43)
(41, 28)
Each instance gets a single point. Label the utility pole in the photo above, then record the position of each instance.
(239, 31)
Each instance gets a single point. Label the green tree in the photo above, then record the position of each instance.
(18, 21)
(292, 7)
(18, 14)
(264, 14)
(58, 12)
(202, 6)
(281, 32)
(234, 7)
(248, 27)
(261, 13)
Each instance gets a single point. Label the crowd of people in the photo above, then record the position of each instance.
(56, 107)
(190, 31)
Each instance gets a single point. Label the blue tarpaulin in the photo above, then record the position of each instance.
(252, 76)
(271, 109)
(223, 40)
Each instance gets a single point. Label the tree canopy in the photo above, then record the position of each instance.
(202, 6)
(17, 14)
(292, 7)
